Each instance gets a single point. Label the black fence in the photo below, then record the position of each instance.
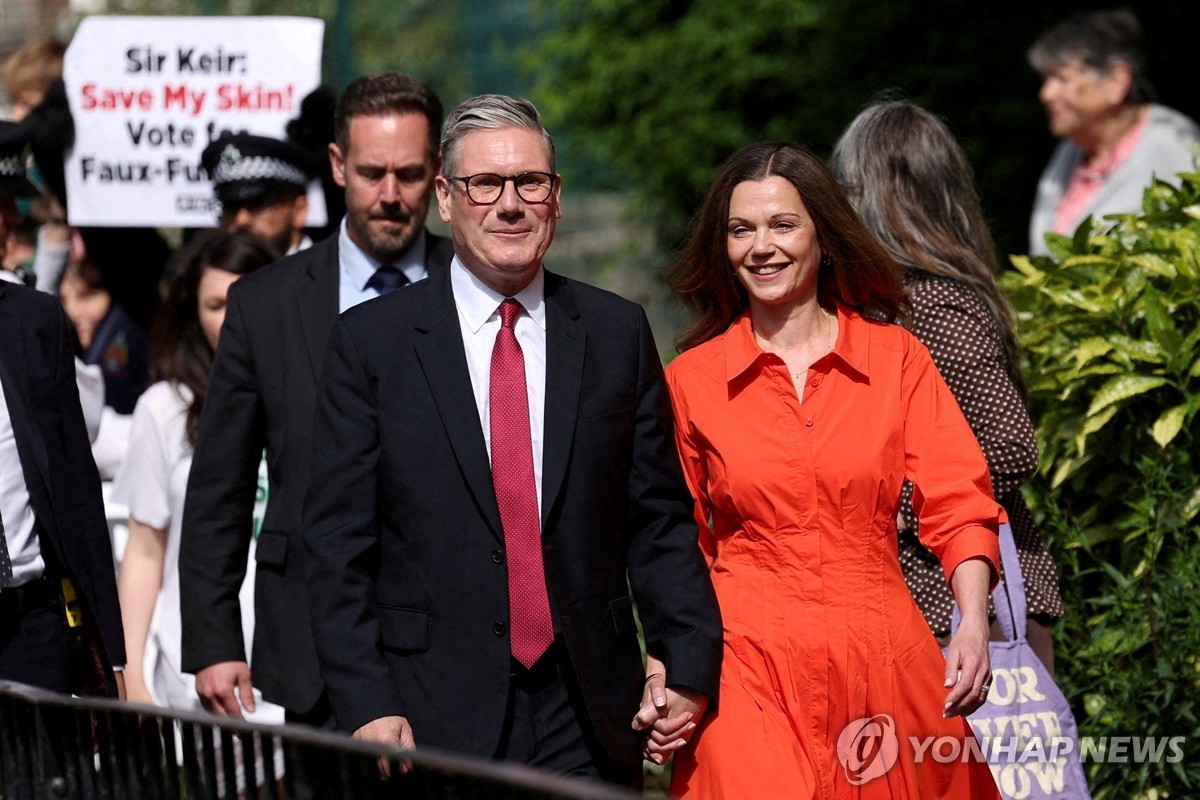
(52, 746)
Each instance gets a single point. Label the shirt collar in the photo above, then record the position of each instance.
(477, 301)
(360, 267)
(742, 350)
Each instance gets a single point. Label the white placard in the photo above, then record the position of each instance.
(149, 93)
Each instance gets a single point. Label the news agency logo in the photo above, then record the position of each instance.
(867, 748)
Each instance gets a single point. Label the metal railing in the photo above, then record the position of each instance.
(54, 746)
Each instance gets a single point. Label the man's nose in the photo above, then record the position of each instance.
(242, 219)
(509, 201)
(389, 192)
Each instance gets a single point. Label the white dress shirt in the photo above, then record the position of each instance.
(15, 510)
(479, 318)
(356, 268)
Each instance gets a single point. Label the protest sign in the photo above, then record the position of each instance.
(149, 93)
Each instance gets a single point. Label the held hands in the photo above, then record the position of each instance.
(669, 714)
(394, 731)
(222, 685)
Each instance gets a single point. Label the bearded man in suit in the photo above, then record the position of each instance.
(262, 393)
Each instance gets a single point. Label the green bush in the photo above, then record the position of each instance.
(1110, 324)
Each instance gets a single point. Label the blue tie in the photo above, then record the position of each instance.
(388, 278)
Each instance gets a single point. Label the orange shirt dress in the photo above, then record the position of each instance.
(821, 632)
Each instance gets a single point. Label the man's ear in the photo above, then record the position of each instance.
(442, 186)
(299, 212)
(337, 162)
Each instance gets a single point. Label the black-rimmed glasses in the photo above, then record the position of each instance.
(485, 188)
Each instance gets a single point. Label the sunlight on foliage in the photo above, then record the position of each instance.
(1110, 325)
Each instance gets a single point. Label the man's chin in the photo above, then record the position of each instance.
(388, 242)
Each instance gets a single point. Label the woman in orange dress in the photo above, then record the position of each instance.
(800, 411)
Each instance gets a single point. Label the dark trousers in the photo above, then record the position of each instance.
(547, 724)
(36, 647)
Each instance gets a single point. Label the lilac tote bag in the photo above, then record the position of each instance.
(1025, 730)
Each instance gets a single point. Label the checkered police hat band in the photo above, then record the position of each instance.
(254, 168)
(12, 166)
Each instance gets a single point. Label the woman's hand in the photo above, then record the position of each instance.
(968, 666)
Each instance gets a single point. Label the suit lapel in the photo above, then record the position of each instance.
(565, 349)
(439, 349)
(317, 300)
(14, 366)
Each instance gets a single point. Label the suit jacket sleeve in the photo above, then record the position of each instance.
(341, 537)
(218, 510)
(668, 575)
(83, 486)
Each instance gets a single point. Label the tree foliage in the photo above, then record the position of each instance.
(1111, 326)
(653, 94)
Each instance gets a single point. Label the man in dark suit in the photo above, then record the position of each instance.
(54, 529)
(493, 469)
(262, 392)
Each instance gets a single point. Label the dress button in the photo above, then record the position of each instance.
(498, 628)
(497, 557)
(808, 422)
(814, 383)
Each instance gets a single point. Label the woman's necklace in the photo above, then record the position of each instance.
(828, 343)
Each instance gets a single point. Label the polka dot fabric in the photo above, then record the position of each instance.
(967, 348)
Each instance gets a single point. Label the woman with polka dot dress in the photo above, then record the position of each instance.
(905, 173)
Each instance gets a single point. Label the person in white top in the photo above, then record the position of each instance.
(153, 479)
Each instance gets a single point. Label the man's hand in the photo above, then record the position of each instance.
(669, 714)
(393, 731)
(221, 685)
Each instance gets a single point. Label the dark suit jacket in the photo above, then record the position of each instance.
(38, 371)
(407, 584)
(260, 397)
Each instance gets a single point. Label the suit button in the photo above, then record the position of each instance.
(498, 628)
(497, 557)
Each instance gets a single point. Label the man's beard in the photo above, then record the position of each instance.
(383, 246)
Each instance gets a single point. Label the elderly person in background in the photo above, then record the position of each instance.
(1098, 99)
(909, 180)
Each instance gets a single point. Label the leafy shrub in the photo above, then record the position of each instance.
(1110, 323)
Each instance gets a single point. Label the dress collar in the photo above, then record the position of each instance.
(742, 350)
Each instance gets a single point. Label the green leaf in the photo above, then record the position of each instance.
(1090, 260)
(1123, 387)
(1024, 265)
(1139, 349)
(1089, 349)
(1154, 264)
(1092, 425)
(1192, 508)
(1168, 425)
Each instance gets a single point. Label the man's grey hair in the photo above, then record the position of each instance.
(489, 112)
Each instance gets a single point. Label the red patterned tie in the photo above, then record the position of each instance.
(530, 628)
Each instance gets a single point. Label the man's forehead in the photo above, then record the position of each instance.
(505, 144)
(415, 124)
